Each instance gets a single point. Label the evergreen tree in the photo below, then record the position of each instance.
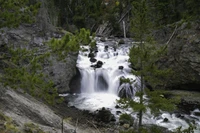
(70, 43)
(15, 12)
(144, 56)
(22, 69)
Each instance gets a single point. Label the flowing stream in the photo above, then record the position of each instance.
(101, 87)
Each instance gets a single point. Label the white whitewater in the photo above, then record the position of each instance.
(106, 78)
(100, 87)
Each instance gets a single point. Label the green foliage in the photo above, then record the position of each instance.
(15, 12)
(129, 103)
(149, 54)
(9, 125)
(140, 24)
(157, 101)
(126, 118)
(78, 12)
(125, 80)
(23, 69)
(32, 128)
(70, 43)
(170, 11)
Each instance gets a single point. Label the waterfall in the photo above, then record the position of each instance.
(101, 71)
(105, 77)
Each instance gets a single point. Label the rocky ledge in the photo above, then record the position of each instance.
(183, 40)
(25, 111)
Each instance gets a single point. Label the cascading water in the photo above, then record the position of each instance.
(101, 87)
(104, 74)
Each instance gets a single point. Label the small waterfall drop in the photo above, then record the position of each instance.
(104, 73)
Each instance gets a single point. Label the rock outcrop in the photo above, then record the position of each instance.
(23, 109)
(183, 54)
(31, 36)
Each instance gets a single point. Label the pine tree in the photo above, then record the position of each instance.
(15, 12)
(144, 56)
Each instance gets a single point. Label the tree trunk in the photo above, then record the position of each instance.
(141, 85)
(141, 101)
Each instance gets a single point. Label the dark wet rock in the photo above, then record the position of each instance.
(106, 48)
(117, 106)
(197, 113)
(179, 115)
(94, 66)
(186, 106)
(121, 67)
(105, 115)
(115, 48)
(165, 120)
(99, 64)
(116, 54)
(118, 112)
(121, 41)
(75, 83)
(93, 60)
(91, 55)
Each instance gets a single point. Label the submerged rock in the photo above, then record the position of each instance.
(93, 60)
(99, 64)
(91, 55)
(106, 48)
(121, 67)
(165, 120)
